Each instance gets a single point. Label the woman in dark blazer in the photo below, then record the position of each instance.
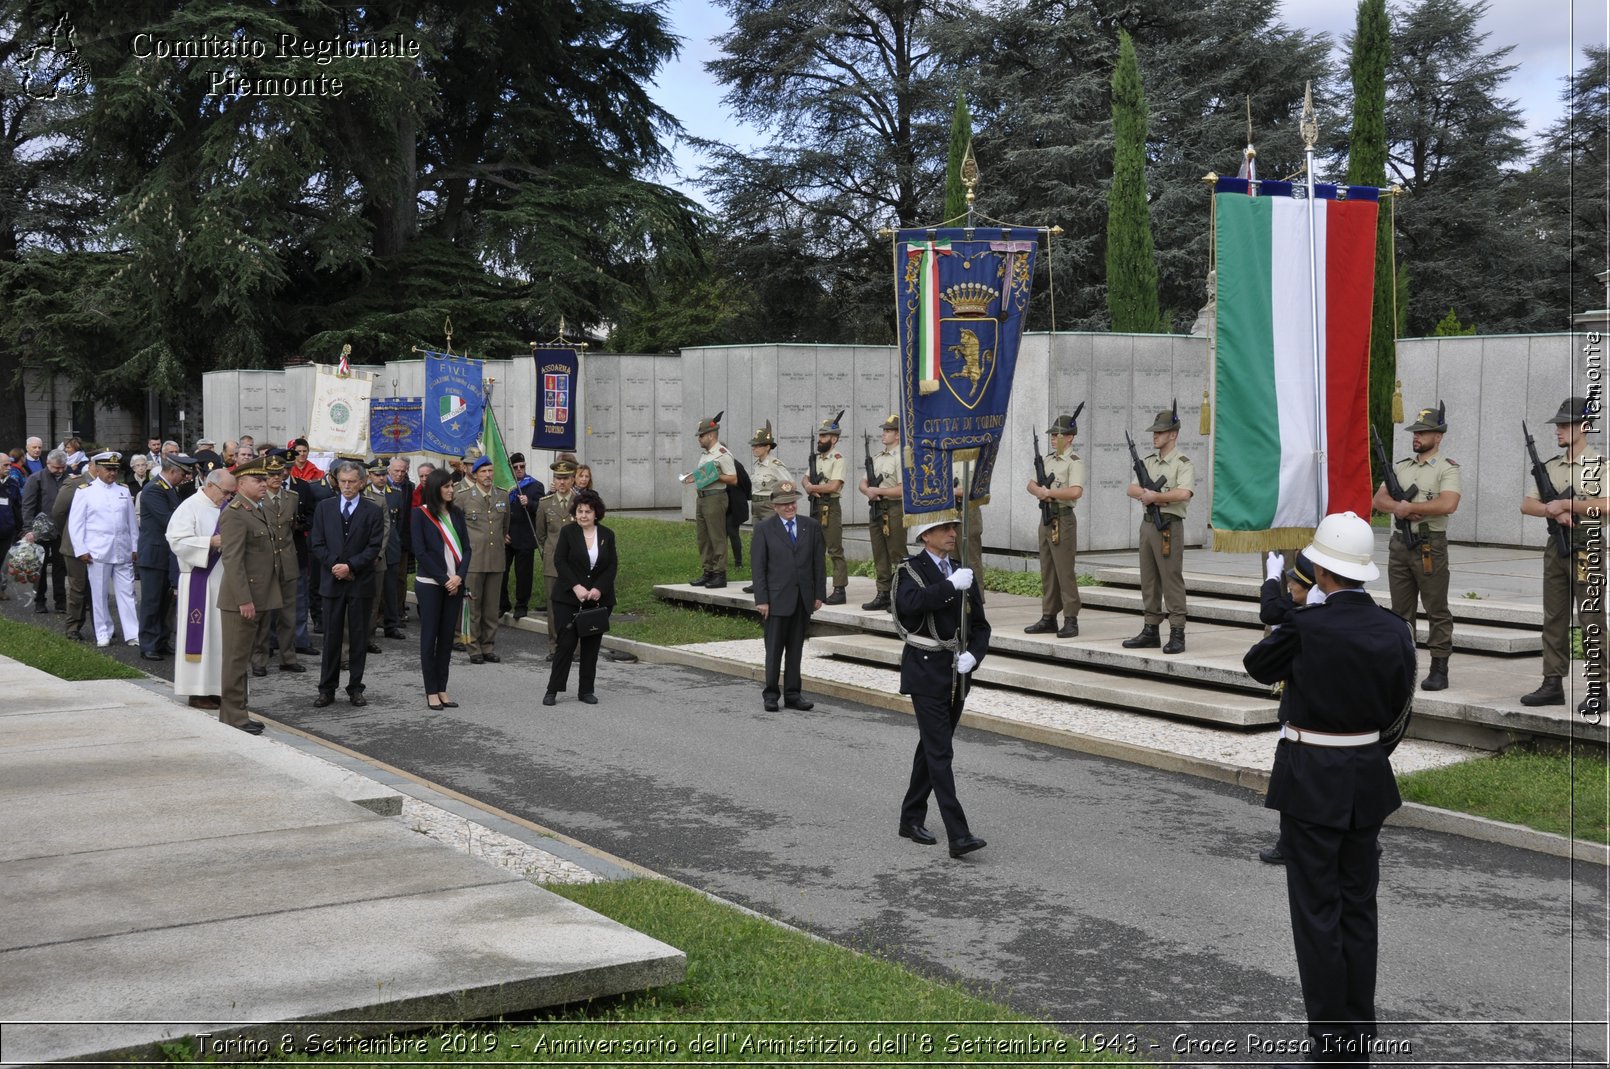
(585, 559)
(442, 553)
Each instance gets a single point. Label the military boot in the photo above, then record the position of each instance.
(703, 580)
(835, 598)
(1070, 629)
(879, 602)
(1550, 693)
(1043, 626)
(1176, 640)
(1437, 678)
(1145, 640)
(716, 581)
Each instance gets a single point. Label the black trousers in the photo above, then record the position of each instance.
(930, 765)
(156, 597)
(346, 614)
(520, 562)
(391, 614)
(438, 624)
(52, 573)
(564, 615)
(1331, 877)
(785, 645)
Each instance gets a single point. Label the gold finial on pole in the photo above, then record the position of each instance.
(1309, 126)
(969, 178)
(447, 329)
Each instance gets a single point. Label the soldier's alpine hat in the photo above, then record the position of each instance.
(831, 426)
(764, 435)
(1431, 419)
(890, 424)
(711, 425)
(1577, 410)
(1066, 424)
(1167, 421)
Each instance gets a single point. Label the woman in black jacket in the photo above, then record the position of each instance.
(442, 551)
(585, 560)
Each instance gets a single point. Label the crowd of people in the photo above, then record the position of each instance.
(233, 556)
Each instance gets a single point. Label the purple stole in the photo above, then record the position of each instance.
(195, 626)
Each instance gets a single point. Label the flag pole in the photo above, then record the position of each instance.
(1309, 127)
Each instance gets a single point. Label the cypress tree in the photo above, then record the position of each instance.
(1131, 258)
(961, 135)
(1366, 166)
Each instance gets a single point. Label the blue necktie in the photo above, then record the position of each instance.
(792, 537)
(944, 568)
(346, 511)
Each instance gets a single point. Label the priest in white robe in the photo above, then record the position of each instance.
(199, 643)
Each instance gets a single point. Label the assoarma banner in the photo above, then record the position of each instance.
(339, 422)
(453, 402)
(963, 296)
(557, 381)
(396, 425)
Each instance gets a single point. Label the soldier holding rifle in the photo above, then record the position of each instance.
(828, 472)
(886, 516)
(1568, 491)
(1417, 566)
(1059, 481)
(1164, 484)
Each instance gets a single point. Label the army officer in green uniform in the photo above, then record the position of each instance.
(1059, 581)
(832, 471)
(886, 521)
(712, 473)
(1162, 553)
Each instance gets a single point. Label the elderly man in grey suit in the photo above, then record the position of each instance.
(789, 561)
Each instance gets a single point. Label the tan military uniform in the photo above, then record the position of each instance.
(828, 510)
(765, 477)
(1562, 584)
(1420, 576)
(281, 511)
(77, 570)
(711, 512)
(1059, 578)
(251, 562)
(1162, 559)
(553, 512)
(486, 519)
(887, 525)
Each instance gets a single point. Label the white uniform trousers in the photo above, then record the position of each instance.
(118, 580)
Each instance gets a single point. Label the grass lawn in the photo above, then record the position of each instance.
(51, 651)
(1560, 793)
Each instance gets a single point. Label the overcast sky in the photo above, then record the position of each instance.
(1548, 36)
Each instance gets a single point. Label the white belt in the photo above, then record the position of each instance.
(1310, 737)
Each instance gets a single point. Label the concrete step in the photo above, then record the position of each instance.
(1065, 681)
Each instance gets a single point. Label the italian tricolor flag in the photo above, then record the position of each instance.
(924, 257)
(1269, 430)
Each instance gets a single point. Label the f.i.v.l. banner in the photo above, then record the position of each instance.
(453, 403)
(557, 382)
(962, 299)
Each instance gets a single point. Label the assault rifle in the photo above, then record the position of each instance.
(1153, 513)
(1048, 514)
(1394, 489)
(875, 507)
(1546, 493)
(810, 471)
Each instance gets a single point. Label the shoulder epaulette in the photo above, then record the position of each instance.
(1452, 463)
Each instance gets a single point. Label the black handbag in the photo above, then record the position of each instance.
(591, 621)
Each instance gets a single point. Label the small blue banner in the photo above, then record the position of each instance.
(454, 399)
(396, 425)
(557, 392)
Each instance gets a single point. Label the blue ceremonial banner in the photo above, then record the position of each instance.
(396, 425)
(453, 403)
(962, 299)
(557, 382)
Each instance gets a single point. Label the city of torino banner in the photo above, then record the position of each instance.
(1277, 408)
(962, 297)
(453, 403)
(555, 426)
(339, 422)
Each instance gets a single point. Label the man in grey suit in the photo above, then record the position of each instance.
(789, 561)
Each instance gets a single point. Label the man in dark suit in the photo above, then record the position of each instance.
(1348, 666)
(345, 539)
(158, 567)
(524, 501)
(789, 560)
(928, 601)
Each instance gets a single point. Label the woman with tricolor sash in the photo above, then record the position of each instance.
(442, 551)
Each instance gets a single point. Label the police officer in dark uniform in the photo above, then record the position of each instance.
(934, 668)
(1348, 667)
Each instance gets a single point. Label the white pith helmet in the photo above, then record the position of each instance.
(1344, 543)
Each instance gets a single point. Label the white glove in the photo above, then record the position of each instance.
(965, 662)
(1316, 596)
(1274, 565)
(961, 578)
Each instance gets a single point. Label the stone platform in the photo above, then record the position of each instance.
(165, 876)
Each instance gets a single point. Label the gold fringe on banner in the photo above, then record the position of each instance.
(1397, 402)
(928, 386)
(913, 519)
(1261, 541)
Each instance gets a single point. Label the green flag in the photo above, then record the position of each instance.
(492, 446)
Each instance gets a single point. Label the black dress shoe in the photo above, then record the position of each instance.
(476, 658)
(308, 651)
(375, 647)
(450, 705)
(251, 727)
(620, 656)
(396, 632)
(750, 589)
(144, 656)
(434, 706)
(771, 705)
(298, 667)
(358, 699)
(1272, 855)
(76, 636)
(492, 658)
(965, 845)
(323, 699)
(587, 699)
(801, 704)
(917, 834)
(550, 699)
(259, 672)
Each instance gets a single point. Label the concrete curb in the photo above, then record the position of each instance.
(1412, 815)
